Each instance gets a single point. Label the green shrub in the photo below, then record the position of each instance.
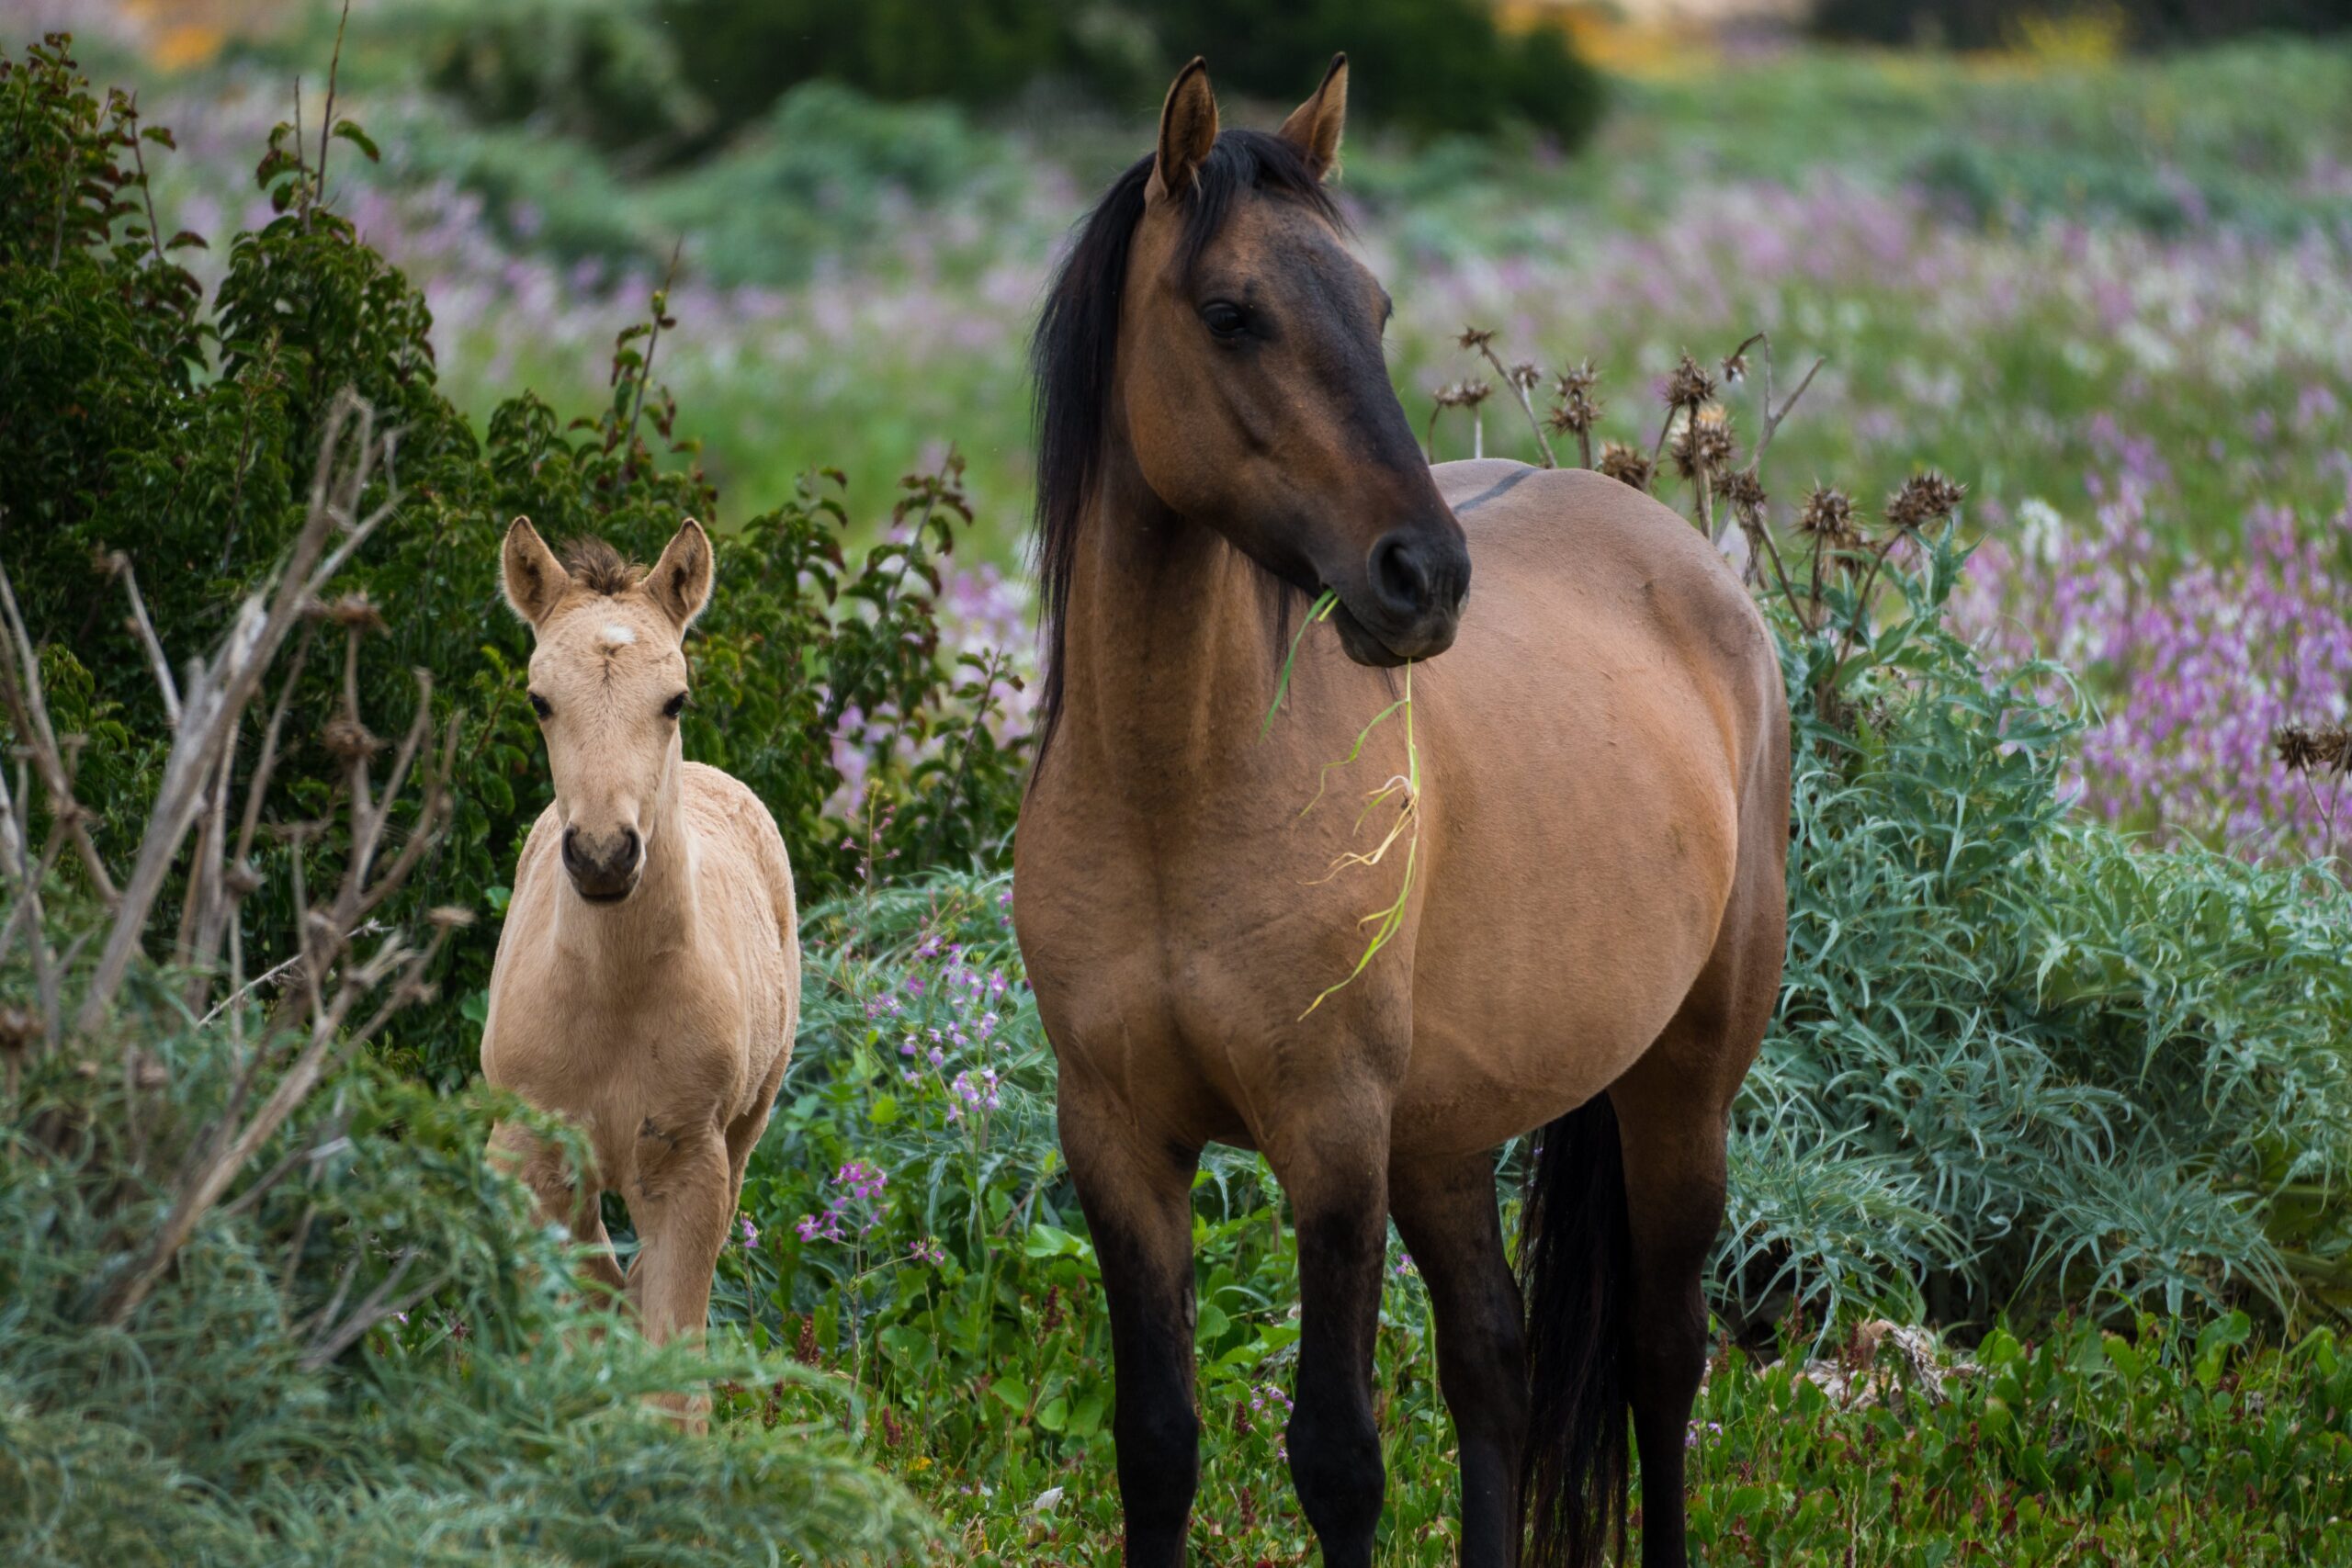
(2019, 1061)
(478, 1412)
(145, 428)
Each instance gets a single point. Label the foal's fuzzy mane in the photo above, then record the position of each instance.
(600, 569)
(1074, 352)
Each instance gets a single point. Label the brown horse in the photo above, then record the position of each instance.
(1592, 939)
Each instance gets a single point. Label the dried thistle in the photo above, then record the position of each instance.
(1580, 378)
(1735, 365)
(1475, 337)
(1828, 516)
(1924, 499)
(1689, 386)
(1628, 465)
(1523, 375)
(1467, 394)
(1745, 491)
(1703, 443)
(2305, 750)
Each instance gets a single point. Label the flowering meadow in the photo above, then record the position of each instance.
(2112, 299)
(2058, 1069)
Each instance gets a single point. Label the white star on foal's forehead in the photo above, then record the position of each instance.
(615, 635)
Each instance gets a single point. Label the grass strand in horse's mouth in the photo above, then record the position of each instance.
(1405, 788)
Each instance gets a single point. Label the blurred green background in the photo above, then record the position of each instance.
(2088, 209)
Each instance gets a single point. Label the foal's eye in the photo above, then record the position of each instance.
(675, 706)
(539, 705)
(1224, 320)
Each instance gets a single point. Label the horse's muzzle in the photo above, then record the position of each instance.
(1417, 580)
(604, 869)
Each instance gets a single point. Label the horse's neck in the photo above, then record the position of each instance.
(1168, 655)
(660, 918)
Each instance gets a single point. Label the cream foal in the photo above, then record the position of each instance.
(649, 975)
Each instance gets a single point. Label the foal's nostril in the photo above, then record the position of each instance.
(632, 849)
(574, 860)
(1398, 576)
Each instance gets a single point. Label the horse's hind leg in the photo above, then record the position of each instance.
(1673, 1109)
(1445, 1211)
(1137, 1195)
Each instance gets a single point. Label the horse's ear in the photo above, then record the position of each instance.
(1314, 126)
(533, 578)
(1187, 131)
(679, 581)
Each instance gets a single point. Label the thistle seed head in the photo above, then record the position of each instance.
(1463, 394)
(2303, 748)
(1745, 491)
(1828, 516)
(1688, 386)
(1629, 465)
(1924, 499)
(1476, 337)
(1703, 444)
(1576, 412)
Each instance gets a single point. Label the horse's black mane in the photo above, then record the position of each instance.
(1076, 341)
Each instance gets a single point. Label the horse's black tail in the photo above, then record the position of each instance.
(1575, 1253)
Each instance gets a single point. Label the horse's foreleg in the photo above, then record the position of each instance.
(682, 1200)
(1337, 1185)
(1445, 1211)
(1137, 1198)
(562, 1197)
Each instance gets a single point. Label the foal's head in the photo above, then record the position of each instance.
(608, 680)
(1213, 314)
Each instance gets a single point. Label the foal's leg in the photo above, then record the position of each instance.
(1337, 1185)
(1445, 1211)
(562, 1197)
(1137, 1194)
(682, 1203)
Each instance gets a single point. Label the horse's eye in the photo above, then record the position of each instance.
(539, 705)
(675, 706)
(1224, 320)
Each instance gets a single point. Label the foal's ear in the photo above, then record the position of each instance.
(1187, 131)
(1314, 126)
(533, 578)
(679, 581)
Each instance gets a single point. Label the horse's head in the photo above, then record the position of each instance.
(608, 680)
(1251, 382)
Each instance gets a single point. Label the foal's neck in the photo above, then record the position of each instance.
(660, 917)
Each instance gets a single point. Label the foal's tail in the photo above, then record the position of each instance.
(1575, 1258)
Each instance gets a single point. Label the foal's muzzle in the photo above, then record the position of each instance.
(604, 868)
(1417, 580)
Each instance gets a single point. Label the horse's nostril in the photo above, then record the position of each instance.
(1398, 576)
(632, 849)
